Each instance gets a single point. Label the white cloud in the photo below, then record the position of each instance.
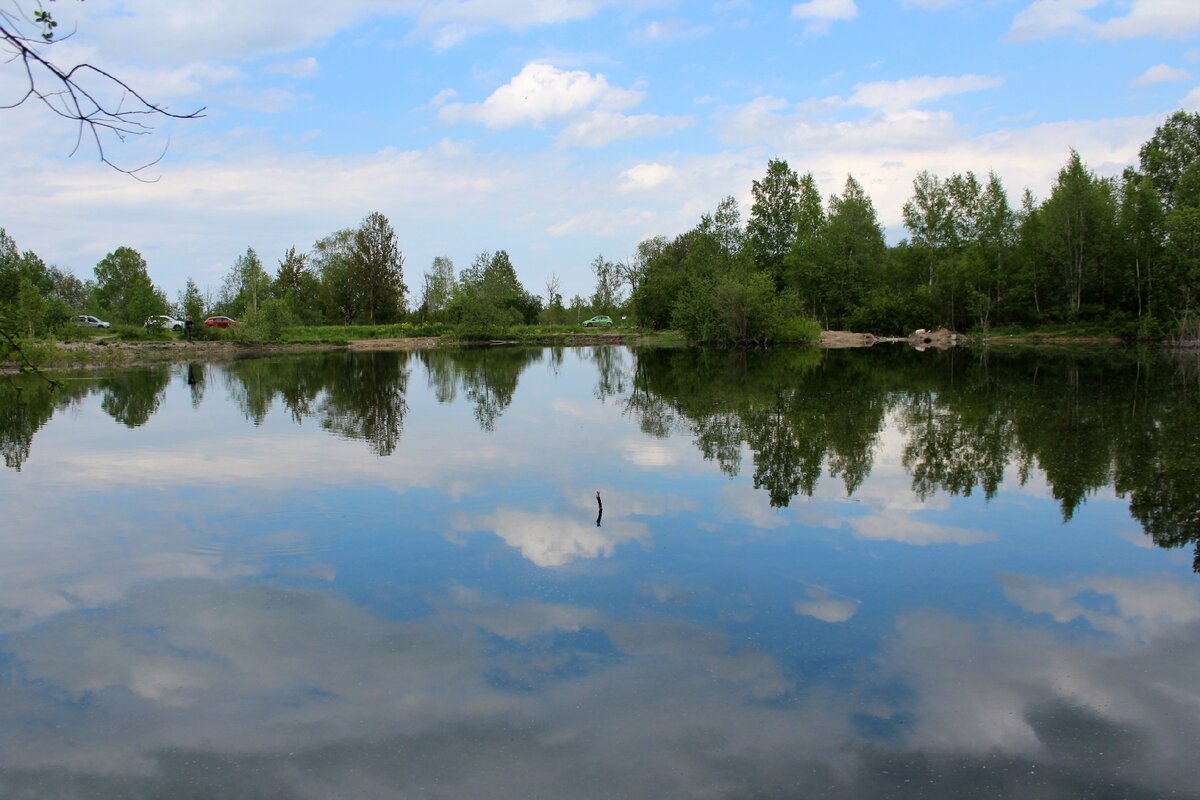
(602, 222)
(555, 540)
(1138, 610)
(650, 454)
(893, 528)
(442, 98)
(1161, 18)
(902, 95)
(600, 128)
(823, 605)
(302, 68)
(1046, 18)
(540, 93)
(646, 176)
(666, 30)
(1161, 73)
(1166, 18)
(1191, 101)
(821, 14)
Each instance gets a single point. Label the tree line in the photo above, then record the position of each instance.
(1123, 253)
(1120, 253)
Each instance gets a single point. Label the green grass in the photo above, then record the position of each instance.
(343, 334)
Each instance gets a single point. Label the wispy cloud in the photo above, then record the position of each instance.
(821, 14)
(1170, 19)
(1161, 73)
(915, 92)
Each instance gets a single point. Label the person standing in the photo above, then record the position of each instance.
(187, 327)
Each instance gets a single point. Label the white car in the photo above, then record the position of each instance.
(88, 321)
(163, 321)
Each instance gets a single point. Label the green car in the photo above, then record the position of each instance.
(598, 322)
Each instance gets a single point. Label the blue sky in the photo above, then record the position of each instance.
(563, 129)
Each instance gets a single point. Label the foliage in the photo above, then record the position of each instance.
(124, 291)
(489, 298)
(377, 267)
(607, 298)
(774, 218)
(266, 324)
(1170, 153)
(440, 285)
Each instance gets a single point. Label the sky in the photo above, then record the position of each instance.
(564, 129)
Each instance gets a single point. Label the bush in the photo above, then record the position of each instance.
(267, 324)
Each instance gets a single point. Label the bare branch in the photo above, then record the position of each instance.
(100, 103)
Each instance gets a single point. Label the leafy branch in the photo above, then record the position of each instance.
(100, 103)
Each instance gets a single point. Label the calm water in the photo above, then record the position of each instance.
(816, 574)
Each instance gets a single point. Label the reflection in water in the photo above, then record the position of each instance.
(358, 396)
(1086, 420)
(196, 380)
(132, 396)
(487, 377)
(26, 404)
(907, 575)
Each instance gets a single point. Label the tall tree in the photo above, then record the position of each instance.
(608, 294)
(804, 264)
(1174, 147)
(1079, 217)
(771, 229)
(855, 250)
(439, 286)
(1141, 227)
(124, 290)
(333, 258)
(246, 284)
(928, 215)
(379, 268)
(191, 302)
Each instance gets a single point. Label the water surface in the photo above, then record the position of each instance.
(813, 574)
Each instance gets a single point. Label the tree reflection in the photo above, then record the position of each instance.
(26, 404)
(369, 402)
(355, 395)
(132, 396)
(1085, 419)
(487, 377)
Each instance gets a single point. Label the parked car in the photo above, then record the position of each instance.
(88, 321)
(220, 322)
(598, 322)
(167, 323)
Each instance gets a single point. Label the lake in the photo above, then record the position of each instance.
(604, 572)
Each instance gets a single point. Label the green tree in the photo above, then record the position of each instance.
(1141, 230)
(333, 258)
(855, 251)
(1079, 217)
(124, 290)
(191, 302)
(928, 215)
(804, 264)
(245, 285)
(1174, 147)
(608, 295)
(439, 287)
(771, 229)
(379, 269)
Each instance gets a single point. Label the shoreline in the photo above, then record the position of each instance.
(93, 354)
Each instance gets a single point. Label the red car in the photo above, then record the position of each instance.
(220, 322)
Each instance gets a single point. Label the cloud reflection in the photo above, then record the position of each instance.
(295, 692)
